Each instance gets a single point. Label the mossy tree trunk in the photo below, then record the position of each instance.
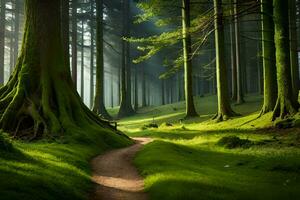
(286, 104)
(98, 106)
(224, 107)
(82, 61)
(74, 42)
(269, 58)
(65, 30)
(40, 98)
(187, 52)
(92, 89)
(125, 105)
(294, 47)
(2, 39)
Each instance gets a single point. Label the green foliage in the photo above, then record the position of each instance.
(232, 142)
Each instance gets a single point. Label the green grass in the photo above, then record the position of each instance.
(48, 170)
(186, 162)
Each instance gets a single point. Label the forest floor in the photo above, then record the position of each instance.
(201, 159)
(116, 177)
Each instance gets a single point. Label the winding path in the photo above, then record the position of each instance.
(115, 176)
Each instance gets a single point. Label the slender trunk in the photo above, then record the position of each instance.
(74, 42)
(136, 89)
(240, 95)
(11, 49)
(293, 47)
(112, 89)
(163, 102)
(187, 50)
(82, 62)
(233, 55)
(92, 93)
(269, 59)
(99, 107)
(224, 108)
(2, 39)
(144, 104)
(287, 103)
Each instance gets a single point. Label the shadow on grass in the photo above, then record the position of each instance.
(183, 172)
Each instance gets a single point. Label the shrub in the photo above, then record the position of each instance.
(232, 142)
(5, 143)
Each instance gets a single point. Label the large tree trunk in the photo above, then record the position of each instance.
(287, 103)
(74, 42)
(65, 30)
(239, 77)
(99, 107)
(126, 107)
(224, 108)
(40, 98)
(2, 39)
(293, 47)
(187, 51)
(269, 59)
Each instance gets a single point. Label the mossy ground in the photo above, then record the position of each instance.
(186, 162)
(52, 170)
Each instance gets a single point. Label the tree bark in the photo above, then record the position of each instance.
(294, 47)
(40, 98)
(224, 108)
(239, 73)
(82, 63)
(233, 55)
(17, 30)
(286, 104)
(65, 30)
(99, 107)
(126, 107)
(74, 42)
(92, 88)
(2, 39)
(269, 58)
(187, 51)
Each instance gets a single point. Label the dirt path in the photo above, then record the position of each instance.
(115, 176)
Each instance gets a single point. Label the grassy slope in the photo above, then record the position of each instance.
(185, 162)
(52, 170)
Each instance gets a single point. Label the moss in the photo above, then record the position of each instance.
(232, 142)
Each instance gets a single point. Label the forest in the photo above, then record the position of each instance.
(149, 99)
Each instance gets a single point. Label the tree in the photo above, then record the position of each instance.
(233, 54)
(99, 107)
(294, 47)
(125, 105)
(92, 2)
(40, 98)
(224, 108)
(240, 95)
(65, 29)
(2, 39)
(74, 42)
(187, 59)
(287, 103)
(269, 60)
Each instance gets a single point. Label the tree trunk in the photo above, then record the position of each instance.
(65, 29)
(144, 104)
(82, 62)
(92, 88)
(2, 39)
(286, 103)
(126, 107)
(187, 51)
(293, 47)
(17, 30)
(74, 42)
(224, 108)
(269, 59)
(99, 107)
(136, 90)
(233, 55)
(40, 98)
(239, 73)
